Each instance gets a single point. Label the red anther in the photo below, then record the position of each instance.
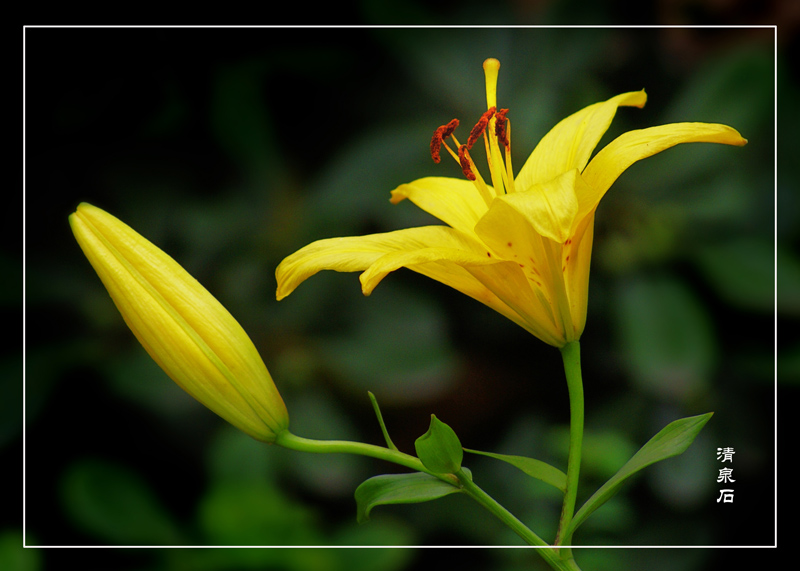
(479, 127)
(500, 127)
(439, 135)
(449, 128)
(436, 144)
(463, 158)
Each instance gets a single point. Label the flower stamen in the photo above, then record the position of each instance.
(466, 162)
(495, 129)
(480, 127)
(439, 135)
(500, 128)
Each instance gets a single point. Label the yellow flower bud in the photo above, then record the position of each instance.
(181, 325)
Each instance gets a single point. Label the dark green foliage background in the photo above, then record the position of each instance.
(231, 148)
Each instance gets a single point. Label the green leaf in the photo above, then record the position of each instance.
(376, 408)
(255, 513)
(399, 489)
(667, 336)
(439, 449)
(742, 272)
(673, 439)
(532, 467)
(14, 556)
(115, 505)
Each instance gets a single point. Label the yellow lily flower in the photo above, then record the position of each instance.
(521, 245)
(181, 325)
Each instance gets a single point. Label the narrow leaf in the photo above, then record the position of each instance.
(399, 489)
(532, 467)
(673, 439)
(385, 432)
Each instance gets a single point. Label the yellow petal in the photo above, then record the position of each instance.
(530, 308)
(461, 262)
(570, 143)
(535, 229)
(358, 253)
(181, 325)
(577, 257)
(438, 262)
(350, 254)
(456, 202)
(550, 208)
(622, 152)
(494, 284)
(463, 265)
(438, 252)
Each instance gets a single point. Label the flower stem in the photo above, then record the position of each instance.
(461, 480)
(487, 501)
(571, 355)
(550, 555)
(289, 440)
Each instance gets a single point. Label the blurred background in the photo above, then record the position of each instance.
(232, 148)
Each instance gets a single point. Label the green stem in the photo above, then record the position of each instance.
(550, 555)
(288, 440)
(487, 501)
(571, 355)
